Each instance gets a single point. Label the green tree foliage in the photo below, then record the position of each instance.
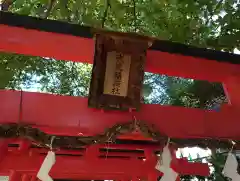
(44, 74)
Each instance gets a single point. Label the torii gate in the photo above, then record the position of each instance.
(88, 163)
(31, 36)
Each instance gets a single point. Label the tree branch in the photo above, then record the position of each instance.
(135, 16)
(105, 13)
(49, 8)
(5, 5)
(213, 12)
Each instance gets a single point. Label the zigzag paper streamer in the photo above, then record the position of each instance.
(230, 168)
(164, 164)
(49, 161)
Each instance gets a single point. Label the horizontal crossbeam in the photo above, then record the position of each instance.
(47, 38)
(66, 115)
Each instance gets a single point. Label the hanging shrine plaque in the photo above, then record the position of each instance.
(118, 71)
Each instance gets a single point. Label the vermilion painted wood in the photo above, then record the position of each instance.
(26, 177)
(133, 136)
(189, 67)
(9, 105)
(14, 176)
(59, 46)
(24, 145)
(66, 47)
(3, 148)
(82, 168)
(36, 151)
(65, 115)
(70, 115)
(33, 178)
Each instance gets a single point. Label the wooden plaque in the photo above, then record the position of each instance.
(118, 71)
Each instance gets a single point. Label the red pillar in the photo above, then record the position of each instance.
(26, 177)
(14, 176)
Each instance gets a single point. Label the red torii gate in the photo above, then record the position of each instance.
(89, 163)
(92, 164)
(70, 115)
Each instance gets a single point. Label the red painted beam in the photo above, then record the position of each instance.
(70, 116)
(36, 151)
(76, 167)
(109, 146)
(22, 41)
(66, 47)
(189, 67)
